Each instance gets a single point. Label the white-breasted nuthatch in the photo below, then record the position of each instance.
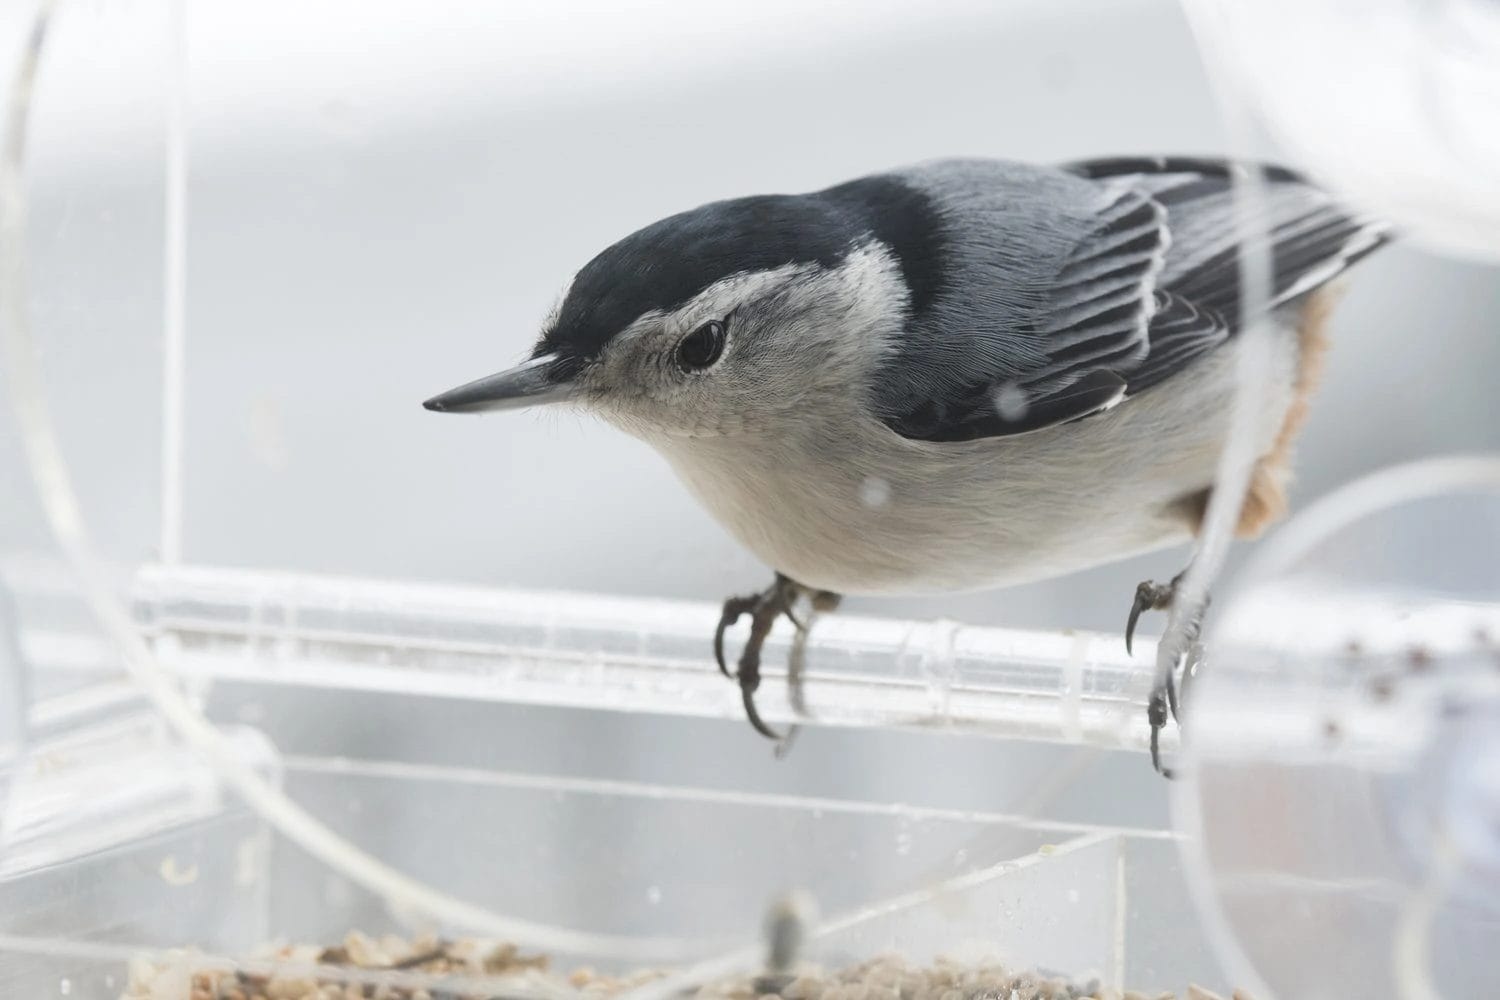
(958, 375)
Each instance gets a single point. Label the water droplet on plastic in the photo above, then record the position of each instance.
(903, 842)
(174, 873)
(960, 856)
(874, 492)
(653, 895)
(1011, 401)
(1074, 895)
(65, 986)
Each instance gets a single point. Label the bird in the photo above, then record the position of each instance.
(952, 376)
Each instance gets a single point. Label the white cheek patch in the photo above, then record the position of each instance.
(803, 331)
(855, 311)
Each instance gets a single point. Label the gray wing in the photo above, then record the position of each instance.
(1074, 289)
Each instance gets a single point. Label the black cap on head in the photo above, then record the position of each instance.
(668, 262)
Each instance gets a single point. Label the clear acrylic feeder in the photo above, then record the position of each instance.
(305, 693)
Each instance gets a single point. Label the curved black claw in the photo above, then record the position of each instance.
(1140, 604)
(747, 694)
(1148, 597)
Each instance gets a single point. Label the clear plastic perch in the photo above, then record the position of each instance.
(636, 655)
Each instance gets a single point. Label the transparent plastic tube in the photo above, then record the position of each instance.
(632, 654)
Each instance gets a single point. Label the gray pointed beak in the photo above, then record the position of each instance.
(530, 383)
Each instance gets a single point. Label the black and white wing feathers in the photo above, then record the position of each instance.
(1144, 280)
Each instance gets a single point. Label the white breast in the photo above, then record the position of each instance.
(842, 503)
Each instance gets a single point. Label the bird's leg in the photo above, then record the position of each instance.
(764, 608)
(1164, 702)
(796, 660)
(821, 602)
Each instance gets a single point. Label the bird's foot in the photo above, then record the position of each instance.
(1164, 702)
(780, 598)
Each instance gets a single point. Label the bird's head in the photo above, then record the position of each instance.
(724, 319)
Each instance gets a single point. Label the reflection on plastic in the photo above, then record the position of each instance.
(60, 505)
(1344, 747)
(1391, 101)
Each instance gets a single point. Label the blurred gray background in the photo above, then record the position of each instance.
(385, 199)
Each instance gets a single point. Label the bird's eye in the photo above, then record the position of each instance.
(702, 347)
